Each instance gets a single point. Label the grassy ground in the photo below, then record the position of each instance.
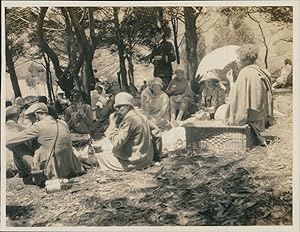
(191, 187)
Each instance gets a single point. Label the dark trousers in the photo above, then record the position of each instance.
(166, 80)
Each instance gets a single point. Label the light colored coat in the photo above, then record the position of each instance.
(63, 163)
(159, 109)
(251, 99)
(132, 143)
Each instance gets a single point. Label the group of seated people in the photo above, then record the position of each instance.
(241, 95)
(178, 101)
(39, 138)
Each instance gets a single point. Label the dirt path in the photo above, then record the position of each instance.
(190, 187)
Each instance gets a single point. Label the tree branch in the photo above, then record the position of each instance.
(44, 45)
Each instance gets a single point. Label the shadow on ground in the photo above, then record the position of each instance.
(200, 190)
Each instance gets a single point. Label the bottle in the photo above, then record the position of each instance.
(56, 185)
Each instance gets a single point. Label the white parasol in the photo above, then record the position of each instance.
(217, 59)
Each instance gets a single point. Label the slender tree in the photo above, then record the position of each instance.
(190, 17)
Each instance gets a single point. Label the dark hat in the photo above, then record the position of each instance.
(12, 111)
(29, 100)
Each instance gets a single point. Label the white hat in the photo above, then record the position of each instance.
(179, 67)
(123, 98)
(209, 76)
(157, 81)
(38, 107)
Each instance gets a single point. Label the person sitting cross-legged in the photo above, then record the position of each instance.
(181, 96)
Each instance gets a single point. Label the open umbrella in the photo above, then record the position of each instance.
(217, 59)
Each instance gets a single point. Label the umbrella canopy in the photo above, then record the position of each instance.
(217, 59)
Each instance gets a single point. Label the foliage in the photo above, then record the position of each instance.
(231, 31)
(136, 28)
(37, 76)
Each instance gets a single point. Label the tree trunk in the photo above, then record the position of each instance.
(121, 51)
(12, 72)
(264, 41)
(44, 45)
(160, 17)
(130, 70)
(174, 22)
(48, 78)
(191, 42)
(75, 63)
(88, 78)
(87, 51)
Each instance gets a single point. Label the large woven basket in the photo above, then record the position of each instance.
(219, 137)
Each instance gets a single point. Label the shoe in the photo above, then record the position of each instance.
(27, 180)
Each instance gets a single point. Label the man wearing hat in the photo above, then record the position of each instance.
(162, 56)
(27, 121)
(52, 136)
(158, 105)
(22, 153)
(181, 96)
(131, 137)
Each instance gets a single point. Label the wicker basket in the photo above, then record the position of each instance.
(219, 137)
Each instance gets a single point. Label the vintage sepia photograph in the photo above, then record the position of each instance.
(136, 115)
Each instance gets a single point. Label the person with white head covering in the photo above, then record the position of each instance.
(53, 136)
(131, 136)
(213, 94)
(158, 105)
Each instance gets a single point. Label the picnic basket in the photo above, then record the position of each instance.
(219, 137)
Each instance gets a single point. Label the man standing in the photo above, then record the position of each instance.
(132, 137)
(162, 56)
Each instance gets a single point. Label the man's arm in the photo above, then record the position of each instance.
(118, 136)
(68, 119)
(23, 136)
(169, 89)
(170, 53)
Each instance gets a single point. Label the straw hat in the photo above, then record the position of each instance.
(157, 81)
(179, 68)
(209, 76)
(123, 98)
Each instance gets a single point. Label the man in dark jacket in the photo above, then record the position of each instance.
(162, 56)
